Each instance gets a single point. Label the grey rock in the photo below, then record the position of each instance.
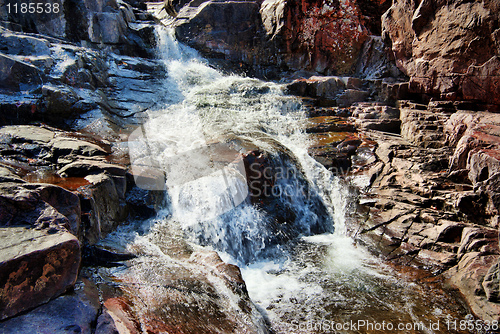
(16, 75)
(491, 283)
(67, 314)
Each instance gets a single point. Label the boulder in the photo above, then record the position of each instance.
(226, 29)
(35, 267)
(16, 75)
(75, 312)
(108, 28)
(449, 49)
(39, 205)
(59, 100)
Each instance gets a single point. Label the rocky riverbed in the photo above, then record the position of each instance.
(400, 103)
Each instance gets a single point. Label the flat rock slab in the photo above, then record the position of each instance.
(35, 267)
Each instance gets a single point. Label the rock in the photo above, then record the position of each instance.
(327, 87)
(491, 283)
(373, 62)
(51, 23)
(351, 96)
(27, 133)
(62, 146)
(106, 324)
(19, 44)
(375, 116)
(7, 175)
(482, 82)
(17, 75)
(40, 205)
(107, 28)
(74, 312)
(320, 36)
(468, 276)
(225, 29)
(422, 127)
(36, 266)
(86, 167)
(118, 315)
(105, 199)
(328, 124)
(447, 48)
(182, 292)
(59, 100)
(477, 143)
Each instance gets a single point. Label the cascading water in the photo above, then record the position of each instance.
(240, 181)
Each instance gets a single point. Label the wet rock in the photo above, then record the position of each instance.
(275, 185)
(84, 167)
(182, 292)
(16, 75)
(374, 62)
(75, 312)
(59, 100)
(105, 198)
(39, 205)
(328, 124)
(36, 266)
(20, 44)
(97, 256)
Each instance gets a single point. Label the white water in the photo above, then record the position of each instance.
(313, 278)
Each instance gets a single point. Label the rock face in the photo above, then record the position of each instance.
(437, 194)
(35, 266)
(97, 21)
(322, 36)
(449, 49)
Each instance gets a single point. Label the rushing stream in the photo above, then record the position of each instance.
(303, 272)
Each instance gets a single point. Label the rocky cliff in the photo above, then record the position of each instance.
(449, 49)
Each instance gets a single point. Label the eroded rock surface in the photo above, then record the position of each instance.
(449, 49)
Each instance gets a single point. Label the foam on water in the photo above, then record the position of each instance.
(324, 276)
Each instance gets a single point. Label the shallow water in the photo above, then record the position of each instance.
(301, 281)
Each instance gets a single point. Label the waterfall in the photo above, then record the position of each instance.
(231, 154)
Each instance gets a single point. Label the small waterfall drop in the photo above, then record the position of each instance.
(232, 154)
